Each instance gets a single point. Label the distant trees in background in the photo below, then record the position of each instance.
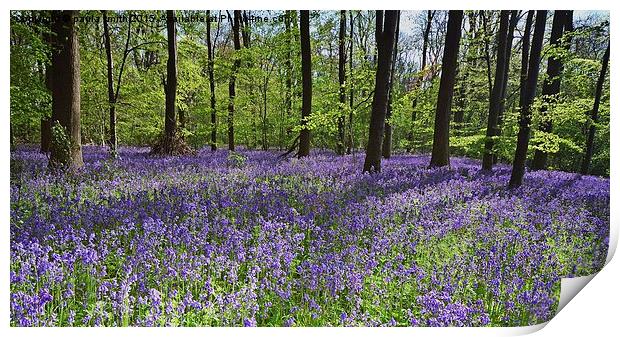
(357, 79)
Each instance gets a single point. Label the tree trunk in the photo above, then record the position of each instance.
(210, 52)
(289, 63)
(66, 94)
(514, 20)
(351, 97)
(171, 80)
(46, 122)
(441, 137)
(232, 81)
(487, 53)
(496, 96)
(525, 54)
(388, 132)
(523, 138)
(112, 142)
(245, 30)
(385, 33)
(342, 76)
(182, 118)
(306, 74)
(420, 79)
(587, 158)
(551, 85)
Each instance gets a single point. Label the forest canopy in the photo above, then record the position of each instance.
(263, 63)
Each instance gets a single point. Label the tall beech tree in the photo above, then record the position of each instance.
(386, 149)
(498, 90)
(110, 77)
(525, 118)
(170, 85)
(306, 83)
(289, 62)
(587, 158)
(236, 23)
(46, 121)
(385, 36)
(525, 56)
(112, 94)
(66, 144)
(342, 77)
(441, 137)
(551, 85)
(514, 20)
(351, 90)
(212, 101)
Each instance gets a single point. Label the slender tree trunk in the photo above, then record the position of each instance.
(551, 85)
(496, 97)
(66, 93)
(523, 138)
(46, 122)
(112, 142)
(351, 92)
(569, 28)
(171, 82)
(587, 158)
(441, 138)
(388, 132)
(460, 97)
(210, 55)
(487, 52)
(514, 19)
(182, 119)
(289, 63)
(420, 79)
(525, 54)
(232, 81)
(245, 30)
(342, 77)
(385, 33)
(306, 81)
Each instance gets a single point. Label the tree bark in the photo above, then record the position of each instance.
(46, 122)
(306, 79)
(441, 137)
(514, 20)
(551, 85)
(112, 142)
(525, 54)
(385, 36)
(210, 52)
(66, 92)
(388, 132)
(587, 158)
(351, 92)
(342, 77)
(496, 96)
(523, 138)
(171, 79)
(289, 63)
(487, 52)
(232, 81)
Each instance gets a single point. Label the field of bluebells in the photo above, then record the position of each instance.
(247, 239)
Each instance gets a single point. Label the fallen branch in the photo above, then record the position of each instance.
(291, 149)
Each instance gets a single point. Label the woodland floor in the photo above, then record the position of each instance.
(248, 239)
